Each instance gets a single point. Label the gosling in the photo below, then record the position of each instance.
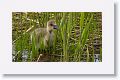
(43, 34)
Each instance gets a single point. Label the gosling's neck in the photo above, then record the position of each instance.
(49, 31)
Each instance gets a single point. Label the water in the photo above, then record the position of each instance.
(97, 58)
(26, 52)
(25, 55)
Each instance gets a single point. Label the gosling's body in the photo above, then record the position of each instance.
(45, 35)
(42, 34)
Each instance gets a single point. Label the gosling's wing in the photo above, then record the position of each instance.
(41, 31)
(39, 35)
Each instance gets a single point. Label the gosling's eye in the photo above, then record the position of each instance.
(51, 24)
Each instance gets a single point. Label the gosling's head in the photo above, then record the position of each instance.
(51, 24)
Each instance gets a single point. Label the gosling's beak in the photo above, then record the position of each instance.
(55, 27)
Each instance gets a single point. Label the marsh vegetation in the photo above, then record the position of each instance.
(77, 39)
